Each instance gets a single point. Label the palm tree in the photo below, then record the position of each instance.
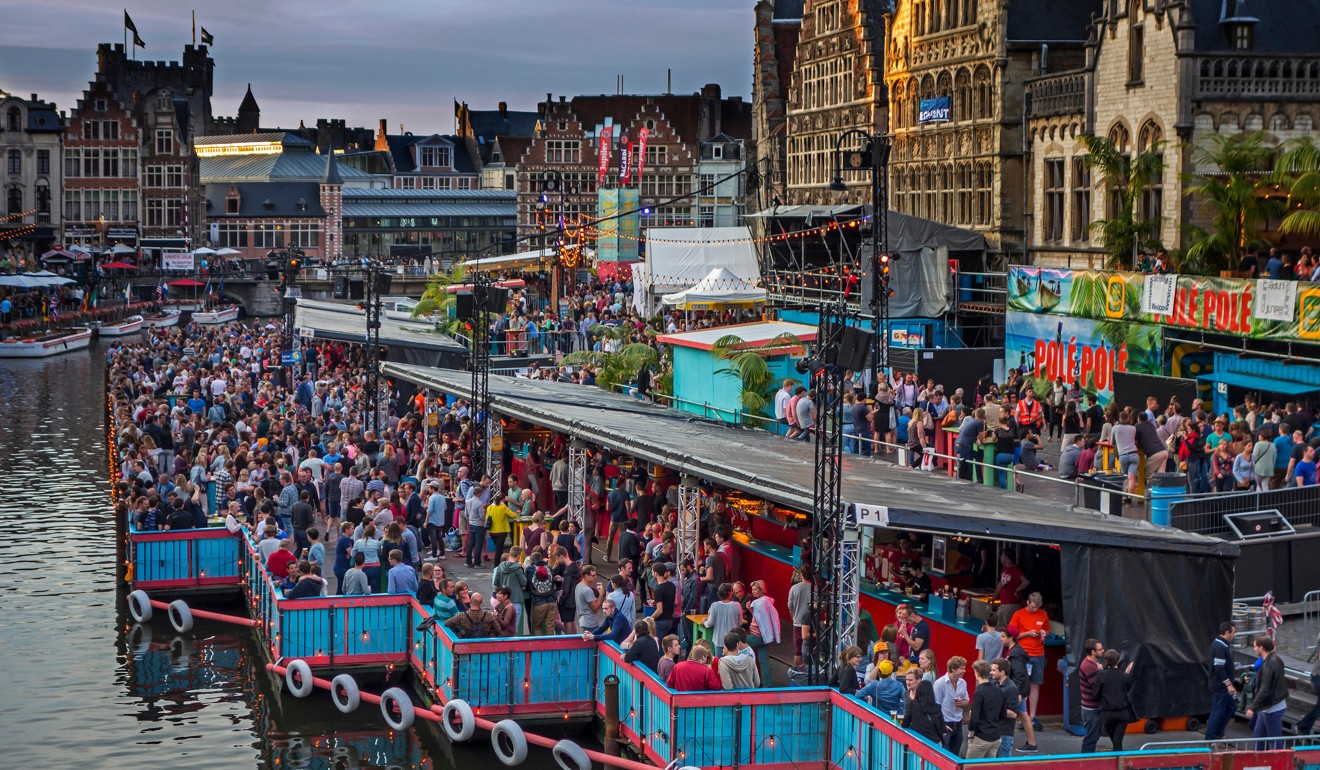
(1232, 194)
(617, 367)
(438, 302)
(1127, 181)
(1299, 169)
(748, 367)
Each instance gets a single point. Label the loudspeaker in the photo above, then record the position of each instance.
(499, 299)
(357, 288)
(341, 287)
(463, 305)
(383, 283)
(854, 346)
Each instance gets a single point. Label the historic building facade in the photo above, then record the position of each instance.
(101, 194)
(30, 151)
(778, 26)
(1164, 75)
(838, 83)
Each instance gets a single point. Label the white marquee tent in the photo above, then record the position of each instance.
(679, 258)
(720, 288)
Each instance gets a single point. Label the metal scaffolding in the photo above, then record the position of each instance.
(376, 404)
(688, 532)
(577, 483)
(480, 407)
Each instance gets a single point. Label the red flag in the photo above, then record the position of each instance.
(603, 152)
(641, 152)
(625, 157)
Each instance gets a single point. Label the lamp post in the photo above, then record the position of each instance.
(872, 154)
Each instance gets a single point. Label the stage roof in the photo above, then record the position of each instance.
(345, 323)
(781, 471)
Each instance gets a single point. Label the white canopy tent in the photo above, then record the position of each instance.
(679, 258)
(720, 288)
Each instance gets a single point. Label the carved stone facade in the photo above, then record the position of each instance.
(778, 25)
(1162, 74)
(837, 85)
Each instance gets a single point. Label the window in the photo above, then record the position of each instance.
(231, 204)
(110, 163)
(99, 105)
(232, 235)
(428, 183)
(706, 216)
(304, 235)
(91, 162)
(437, 157)
(43, 202)
(408, 183)
(129, 163)
(1136, 54)
(267, 236)
(155, 212)
(72, 206)
(15, 205)
(91, 129)
(464, 182)
(174, 176)
(1053, 186)
(717, 152)
(72, 163)
(154, 177)
(129, 205)
(1242, 37)
(164, 141)
(92, 203)
(563, 151)
(43, 161)
(164, 102)
(14, 120)
(706, 185)
(110, 205)
(1151, 139)
(983, 183)
(657, 155)
(1081, 200)
(15, 162)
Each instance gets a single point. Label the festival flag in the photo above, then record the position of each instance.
(131, 27)
(603, 152)
(54, 307)
(128, 294)
(641, 152)
(625, 157)
(161, 291)
(207, 37)
(221, 289)
(209, 291)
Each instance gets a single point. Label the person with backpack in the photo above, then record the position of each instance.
(568, 573)
(509, 574)
(544, 596)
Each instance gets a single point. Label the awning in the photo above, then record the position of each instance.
(1262, 384)
(408, 340)
(523, 259)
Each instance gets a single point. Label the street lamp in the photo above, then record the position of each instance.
(872, 153)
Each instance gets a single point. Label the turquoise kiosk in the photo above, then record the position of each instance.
(702, 384)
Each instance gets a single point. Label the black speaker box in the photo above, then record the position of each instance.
(463, 306)
(854, 346)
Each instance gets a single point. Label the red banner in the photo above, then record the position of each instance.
(641, 152)
(625, 157)
(603, 153)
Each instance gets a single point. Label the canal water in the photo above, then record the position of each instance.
(80, 684)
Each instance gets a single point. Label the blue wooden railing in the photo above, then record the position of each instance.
(183, 558)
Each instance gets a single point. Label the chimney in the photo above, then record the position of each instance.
(711, 91)
(504, 109)
(382, 144)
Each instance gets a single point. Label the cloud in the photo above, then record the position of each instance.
(396, 59)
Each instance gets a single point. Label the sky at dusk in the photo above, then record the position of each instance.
(403, 61)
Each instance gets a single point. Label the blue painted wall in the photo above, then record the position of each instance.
(699, 379)
(933, 332)
(1231, 363)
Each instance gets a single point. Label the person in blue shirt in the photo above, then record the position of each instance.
(1283, 446)
(445, 605)
(438, 508)
(1304, 473)
(402, 577)
(343, 552)
(903, 420)
(884, 692)
(615, 629)
(195, 404)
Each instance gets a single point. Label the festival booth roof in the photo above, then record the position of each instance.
(409, 341)
(753, 335)
(720, 288)
(1157, 591)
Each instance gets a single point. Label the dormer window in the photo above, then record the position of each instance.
(717, 152)
(268, 204)
(437, 156)
(233, 200)
(1242, 37)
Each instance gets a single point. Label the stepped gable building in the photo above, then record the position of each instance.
(1164, 74)
(837, 84)
(30, 132)
(967, 170)
(778, 26)
(567, 143)
(101, 200)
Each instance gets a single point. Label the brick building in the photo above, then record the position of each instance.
(101, 193)
(1173, 72)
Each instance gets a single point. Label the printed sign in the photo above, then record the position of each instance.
(935, 110)
(1157, 298)
(1081, 349)
(176, 260)
(871, 515)
(1276, 300)
(603, 154)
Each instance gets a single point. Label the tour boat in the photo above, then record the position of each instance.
(131, 325)
(167, 317)
(217, 316)
(50, 344)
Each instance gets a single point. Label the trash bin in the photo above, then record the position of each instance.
(1165, 490)
(799, 677)
(1098, 492)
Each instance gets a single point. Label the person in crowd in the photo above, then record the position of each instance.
(445, 605)
(643, 646)
(356, 582)
(1018, 668)
(614, 627)
(671, 650)
(1271, 699)
(1033, 625)
(987, 709)
(1086, 678)
(506, 618)
(922, 714)
(1111, 694)
(737, 664)
(402, 578)
(694, 674)
(588, 597)
(999, 677)
(950, 692)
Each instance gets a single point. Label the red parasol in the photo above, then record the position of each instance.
(117, 265)
(186, 282)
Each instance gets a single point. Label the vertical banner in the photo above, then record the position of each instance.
(603, 153)
(607, 209)
(642, 136)
(629, 224)
(625, 157)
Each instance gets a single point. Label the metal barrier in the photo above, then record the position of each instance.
(1311, 620)
(345, 630)
(1204, 513)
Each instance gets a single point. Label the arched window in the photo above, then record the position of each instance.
(15, 201)
(14, 119)
(1151, 139)
(983, 94)
(962, 98)
(1120, 138)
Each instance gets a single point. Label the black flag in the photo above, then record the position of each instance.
(207, 37)
(131, 27)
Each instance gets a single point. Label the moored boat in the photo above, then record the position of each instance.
(217, 316)
(167, 317)
(49, 344)
(131, 325)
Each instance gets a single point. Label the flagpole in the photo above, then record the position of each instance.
(194, 19)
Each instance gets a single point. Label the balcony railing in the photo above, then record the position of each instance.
(1257, 77)
(1062, 94)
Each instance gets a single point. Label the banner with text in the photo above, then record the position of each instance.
(177, 260)
(620, 223)
(1048, 347)
(934, 110)
(1259, 309)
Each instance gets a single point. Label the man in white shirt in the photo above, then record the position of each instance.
(781, 403)
(951, 693)
(218, 386)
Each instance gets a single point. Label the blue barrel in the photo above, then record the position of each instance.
(1165, 490)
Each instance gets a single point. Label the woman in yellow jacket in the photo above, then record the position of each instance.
(498, 517)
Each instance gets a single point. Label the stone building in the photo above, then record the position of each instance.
(778, 25)
(965, 168)
(30, 151)
(838, 83)
(101, 193)
(1164, 74)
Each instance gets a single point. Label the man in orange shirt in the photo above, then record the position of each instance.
(1028, 414)
(1033, 625)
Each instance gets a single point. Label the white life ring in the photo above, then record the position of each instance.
(516, 751)
(180, 616)
(458, 721)
(139, 606)
(397, 708)
(345, 693)
(571, 756)
(298, 678)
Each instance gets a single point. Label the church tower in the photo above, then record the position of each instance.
(332, 201)
(249, 114)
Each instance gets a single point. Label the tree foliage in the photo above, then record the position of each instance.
(1127, 180)
(1234, 195)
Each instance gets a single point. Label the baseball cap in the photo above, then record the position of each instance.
(885, 667)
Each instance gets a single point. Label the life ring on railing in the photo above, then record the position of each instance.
(570, 756)
(298, 678)
(139, 638)
(180, 616)
(509, 742)
(458, 721)
(344, 692)
(397, 708)
(139, 606)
